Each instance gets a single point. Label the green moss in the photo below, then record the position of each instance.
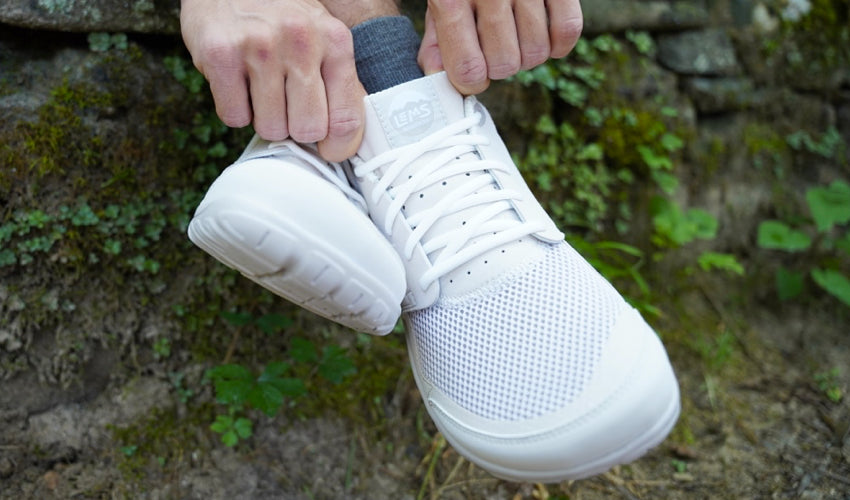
(161, 443)
(381, 363)
(767, 148)
(96, 215)
(54, 140)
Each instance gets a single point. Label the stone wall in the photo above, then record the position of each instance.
(87, 115)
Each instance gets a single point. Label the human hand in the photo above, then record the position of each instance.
(287, 66)
(479, 40)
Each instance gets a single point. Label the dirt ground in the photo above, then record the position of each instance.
(757, 423)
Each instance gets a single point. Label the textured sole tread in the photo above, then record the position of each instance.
(273, 256)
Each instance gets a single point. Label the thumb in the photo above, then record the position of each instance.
(429, 58)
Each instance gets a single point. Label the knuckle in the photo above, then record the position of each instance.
(218, 52)
(535, 55)
(300, 37)
(338, 35)
(344, 123)
(308, 132)
(447, 6)
(567, 31)
(471, 72)
(503, 69)
(270, 132)
(230, 113)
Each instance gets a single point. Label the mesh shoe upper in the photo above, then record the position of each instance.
(523, 346)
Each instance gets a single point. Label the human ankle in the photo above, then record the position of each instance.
(385, 50)
(354, 12)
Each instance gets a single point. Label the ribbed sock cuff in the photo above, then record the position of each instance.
(385, 50)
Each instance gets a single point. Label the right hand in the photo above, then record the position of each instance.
(287, 66)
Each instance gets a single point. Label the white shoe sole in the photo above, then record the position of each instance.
(302, 239)
(629, 453)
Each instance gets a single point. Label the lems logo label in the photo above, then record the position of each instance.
(411, 113)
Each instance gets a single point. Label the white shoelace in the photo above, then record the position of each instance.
(451, 144)
(333, 172)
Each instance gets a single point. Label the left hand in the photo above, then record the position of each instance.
(476, 41)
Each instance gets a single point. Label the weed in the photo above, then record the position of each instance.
(829, 384)
(162, 348)
(232, 429)
(823, 240)
(102, 42)
(183, 393)
(240, 389)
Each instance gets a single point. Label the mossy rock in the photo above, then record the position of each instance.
(105, 156)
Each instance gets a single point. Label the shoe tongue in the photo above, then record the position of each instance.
(407, 113)
(413, 110)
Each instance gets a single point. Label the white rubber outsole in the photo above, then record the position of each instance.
(628, 453)
(290, 263)
(302, 242)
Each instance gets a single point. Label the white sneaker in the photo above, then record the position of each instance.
(530, 363)
(291, 222)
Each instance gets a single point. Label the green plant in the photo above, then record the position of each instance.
(716, 351)
(675, 228)
(267, 323)
(129, 450)
(240, 389)
(232, 428)
(237, 388)
(822, 239)
(102, 42)
(183, 393)
(162, 348)
(830, 145)
(585, 159)
(708, 261)
(829, 384)
(85, 234)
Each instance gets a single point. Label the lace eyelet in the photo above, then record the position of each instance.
(482, 114)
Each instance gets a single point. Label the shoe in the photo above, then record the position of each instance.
(530, 363)
(292, 223)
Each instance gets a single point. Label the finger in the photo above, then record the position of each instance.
(228, 86)
(462, 56)
(344, 99)
(497, 34)
(565, 25)
(306, 99)
(532, 31)
(429, 51)
(307, 106)
(268, 102)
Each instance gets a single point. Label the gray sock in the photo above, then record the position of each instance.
(385, 50)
